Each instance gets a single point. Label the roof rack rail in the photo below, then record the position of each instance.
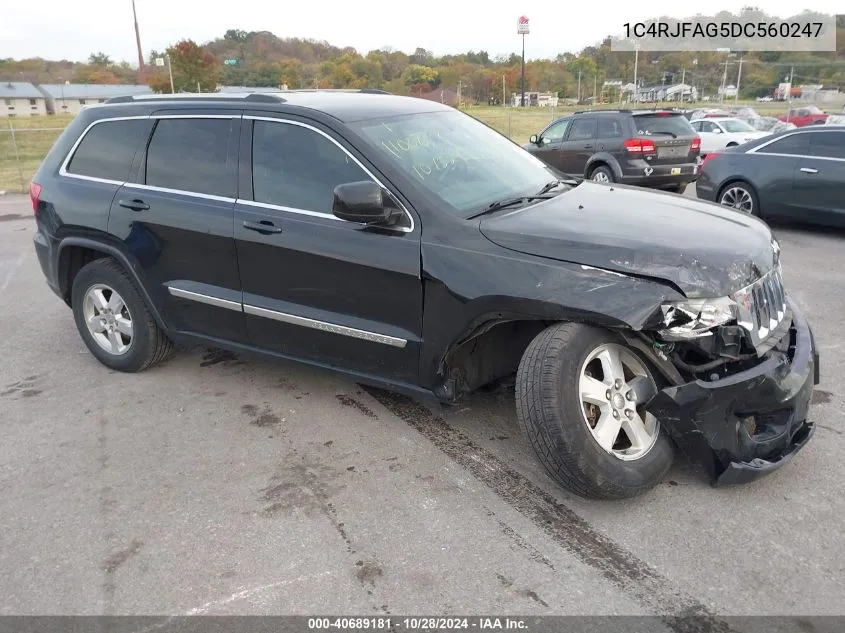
(593, 110)
(261, 97)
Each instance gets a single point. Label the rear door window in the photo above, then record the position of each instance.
(107, 150)
(662, 124)
(191, 155)
(609, 127)
(791, 145)
(582, 130)
(827, 144)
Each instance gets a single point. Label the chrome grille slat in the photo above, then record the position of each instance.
(762, 308)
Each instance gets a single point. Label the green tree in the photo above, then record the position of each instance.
(100, 59)
(416, 74)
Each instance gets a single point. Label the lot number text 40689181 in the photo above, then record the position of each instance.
(415, 623)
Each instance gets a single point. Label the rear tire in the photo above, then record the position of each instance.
(602, 174)
(740, 196)
(113, 319)
(575, 439)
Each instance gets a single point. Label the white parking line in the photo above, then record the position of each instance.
(13, 267)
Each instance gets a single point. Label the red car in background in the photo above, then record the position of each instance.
(807, 115)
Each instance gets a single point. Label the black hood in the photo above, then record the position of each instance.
(702, 248)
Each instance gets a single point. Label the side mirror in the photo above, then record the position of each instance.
(716, 130)
(361, 202)
(534, 139)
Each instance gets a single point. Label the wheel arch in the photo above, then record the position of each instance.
(603, 159)
(75, 252)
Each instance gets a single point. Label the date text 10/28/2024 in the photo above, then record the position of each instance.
(415, 624)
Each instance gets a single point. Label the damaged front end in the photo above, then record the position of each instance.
(742, 369)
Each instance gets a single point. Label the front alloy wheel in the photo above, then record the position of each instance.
(581, 396)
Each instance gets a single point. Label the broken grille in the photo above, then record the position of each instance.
(763, 311)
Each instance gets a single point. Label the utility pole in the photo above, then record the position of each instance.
(138, 43)
(636, 60)
(595, 87)
(522, 101)
(789, 93)
(738, 78)
(579, 86)
(459, 93)
(503, 91)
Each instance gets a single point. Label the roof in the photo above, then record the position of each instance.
(443, 95)
(347, 106)
(92, 91)
(19, 90)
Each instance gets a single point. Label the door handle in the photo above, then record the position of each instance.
(809, 170)
(135, 205)
(588, 147)
(264, 227)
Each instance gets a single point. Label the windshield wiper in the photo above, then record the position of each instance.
(507, 202)
(555, 183)
(672, 134)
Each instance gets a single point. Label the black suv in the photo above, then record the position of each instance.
(408, 246)
(648, 148)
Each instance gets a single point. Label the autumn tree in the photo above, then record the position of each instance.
(192, 67)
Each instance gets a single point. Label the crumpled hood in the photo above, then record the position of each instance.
(702, 248)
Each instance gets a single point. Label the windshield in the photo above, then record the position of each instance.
(735, 125)
(456, 158)
(663, 123)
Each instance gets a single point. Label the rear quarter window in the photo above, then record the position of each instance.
(675, 124)
(108, 149)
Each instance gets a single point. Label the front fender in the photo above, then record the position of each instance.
(465, 290)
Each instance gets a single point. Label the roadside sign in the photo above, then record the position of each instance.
(522, 25)
(159, 61)
(230, 62)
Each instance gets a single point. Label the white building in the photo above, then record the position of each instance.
(19, 98)
(68, 98)
(535, 99)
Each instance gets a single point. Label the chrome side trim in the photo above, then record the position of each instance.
(207, 299)
(372, 337)
(345, 151)
(265, 205)
(192, 194)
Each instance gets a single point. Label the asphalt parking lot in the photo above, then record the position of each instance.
(218, 485)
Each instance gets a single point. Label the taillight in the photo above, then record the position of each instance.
(34, 195)
(707, 159)
(695, 146)
(639, 146)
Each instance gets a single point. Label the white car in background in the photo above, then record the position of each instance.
(835, 119)
(717, 133)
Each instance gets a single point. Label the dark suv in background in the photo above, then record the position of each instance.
(647, 148)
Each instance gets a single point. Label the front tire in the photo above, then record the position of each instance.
(113, 320)
(580, 396)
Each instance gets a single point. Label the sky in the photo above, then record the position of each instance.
(58, 29)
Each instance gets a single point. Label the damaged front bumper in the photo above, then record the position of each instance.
(751, 423)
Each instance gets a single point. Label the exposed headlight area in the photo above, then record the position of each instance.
(685, 320)
(705, 334)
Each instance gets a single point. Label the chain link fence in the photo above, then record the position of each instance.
(25, 142)
(22, 148)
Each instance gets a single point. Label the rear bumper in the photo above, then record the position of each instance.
(45, 252)
(642, 173)
(752, 423)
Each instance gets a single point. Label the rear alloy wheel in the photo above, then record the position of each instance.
(601, 174)
(581, 397)
(741, 197)
(113, 319)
